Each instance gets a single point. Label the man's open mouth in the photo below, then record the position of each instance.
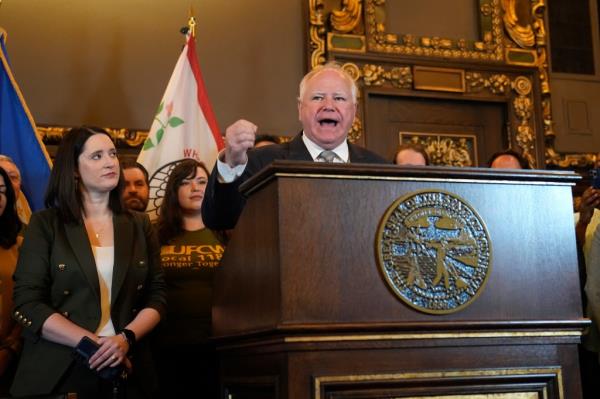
(328, 122)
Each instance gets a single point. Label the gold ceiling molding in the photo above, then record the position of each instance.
(122, 137)
(489, 48)
(504, 37)
(496, 83)
(513, 34)
(377, 75)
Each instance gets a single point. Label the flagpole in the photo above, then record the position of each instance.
(184, 125)
(191, 22)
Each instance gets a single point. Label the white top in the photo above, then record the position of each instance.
(227, 174)
(589, 233)
(105, 259)
(341, 151)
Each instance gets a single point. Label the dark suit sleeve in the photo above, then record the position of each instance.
(362, 155)
(32, 276)
(156, 290)
(223, 203)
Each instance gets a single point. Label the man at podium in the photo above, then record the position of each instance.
(326, 108)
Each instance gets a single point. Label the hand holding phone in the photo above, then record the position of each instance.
(84, 351)
(595, 176)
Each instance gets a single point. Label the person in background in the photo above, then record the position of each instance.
(10, 331)
(87, 268)
(190, 255)
(589, 352)
(264, 140)
(587, 219)
(136, 191)
(411, 154)
(14, 173)
(508, 159)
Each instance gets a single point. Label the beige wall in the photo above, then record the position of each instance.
(107, 62)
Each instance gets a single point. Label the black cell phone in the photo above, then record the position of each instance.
(595, 175)
(84, 351)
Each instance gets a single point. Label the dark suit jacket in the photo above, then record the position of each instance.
(56, 272)
(223, 202)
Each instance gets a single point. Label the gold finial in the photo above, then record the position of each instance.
(191, 22)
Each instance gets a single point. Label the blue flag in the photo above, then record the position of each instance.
(18, 137)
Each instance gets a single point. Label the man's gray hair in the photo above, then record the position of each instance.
(330, 66)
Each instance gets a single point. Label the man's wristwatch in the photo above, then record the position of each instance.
(129, 337)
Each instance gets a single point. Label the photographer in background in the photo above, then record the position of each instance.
(588, 250)
(588, 216)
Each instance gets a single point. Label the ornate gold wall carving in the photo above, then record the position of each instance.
(510, 38)
(377, 75)
(521, 34)
(346, 19)
(495, 83)
(445, 149)
(489, 48)
(523, 106)
(316, 33)
(518, 89)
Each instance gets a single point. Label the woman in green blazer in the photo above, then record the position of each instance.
(88, 268)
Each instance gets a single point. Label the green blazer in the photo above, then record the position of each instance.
(56, 273)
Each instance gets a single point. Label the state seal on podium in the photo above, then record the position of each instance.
(434, 251)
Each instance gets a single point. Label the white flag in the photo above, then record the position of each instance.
(184, 127)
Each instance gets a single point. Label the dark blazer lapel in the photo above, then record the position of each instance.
(80, 244)
(123, 236)
(353, 155)
(297, 149)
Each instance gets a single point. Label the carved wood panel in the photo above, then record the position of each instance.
(508, 62)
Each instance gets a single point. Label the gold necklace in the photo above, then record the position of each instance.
(98, 228)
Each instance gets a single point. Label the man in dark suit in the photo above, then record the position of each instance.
(326, 108)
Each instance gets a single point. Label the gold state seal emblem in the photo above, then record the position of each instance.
(434, 251)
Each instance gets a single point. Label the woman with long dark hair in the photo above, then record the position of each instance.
(190, 254)
(10, 331)
(88, 269)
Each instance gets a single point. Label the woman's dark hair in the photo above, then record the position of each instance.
(63, 192)
(170, 220)
(10, 224)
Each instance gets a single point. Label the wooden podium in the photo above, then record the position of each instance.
(303, 308)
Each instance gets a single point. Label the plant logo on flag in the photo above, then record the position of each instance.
(172, 121)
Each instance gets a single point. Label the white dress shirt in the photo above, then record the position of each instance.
(227, 174)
